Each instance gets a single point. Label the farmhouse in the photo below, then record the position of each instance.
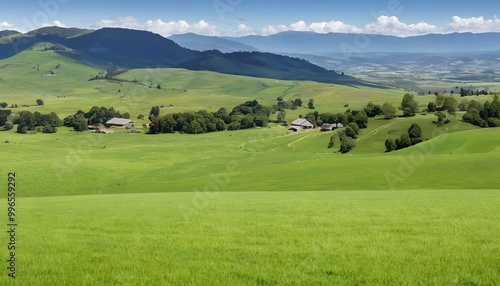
(329, 127)
(119, 122)
(302, 123)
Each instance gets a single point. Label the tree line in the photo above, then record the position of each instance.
(248, 115)
(486, 115)
(410, 138)
(33, 121)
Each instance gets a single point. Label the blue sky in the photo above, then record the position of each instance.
(243, 17)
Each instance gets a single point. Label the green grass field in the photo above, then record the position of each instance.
(252, 207)
(415, 237)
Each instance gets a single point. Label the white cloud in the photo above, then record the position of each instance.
(56, 23)
(128, 22)
(7, 26)
(271, 30)
(299, 26)
(333, 27)
(321, 27)
(384, 25)
(163, 28)
(473, 25)
(245, 30)
(392, 26)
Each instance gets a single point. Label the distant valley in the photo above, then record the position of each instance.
(409, 63)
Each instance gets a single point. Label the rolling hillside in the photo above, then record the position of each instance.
(131, 49)
(265, 65)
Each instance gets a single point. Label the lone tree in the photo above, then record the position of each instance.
(449, 103)
(39, 102)
(311, 104)
(281, 116)
(388, 110)
(409, 105)
(332, 141)
(297, 102)
(431, 106)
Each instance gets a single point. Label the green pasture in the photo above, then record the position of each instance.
(292, 237)
(86, 163)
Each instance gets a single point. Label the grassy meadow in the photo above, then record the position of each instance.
(253, 207)
(417, 237)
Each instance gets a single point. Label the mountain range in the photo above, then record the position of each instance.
(129, 49)
(333, 43)
(456, 56)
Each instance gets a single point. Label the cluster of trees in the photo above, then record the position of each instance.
(95, 116)
(353, 121)
(409, 106)
(486, 115)
(4, 104)
(347, 137)
(443, 103)
(358, 116)
(187, 122)
(290, 104)
(248, 115)
(442, 120)
(386, 109)
(28, 121)
(469, 92)
(412, 137)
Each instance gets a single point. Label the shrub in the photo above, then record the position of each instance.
(234, 126)
(403, 142)
(415, 134)
(49, 129)
(347, 144)
(350, 132)
(390, 145)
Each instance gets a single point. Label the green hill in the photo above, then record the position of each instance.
(128, 49)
